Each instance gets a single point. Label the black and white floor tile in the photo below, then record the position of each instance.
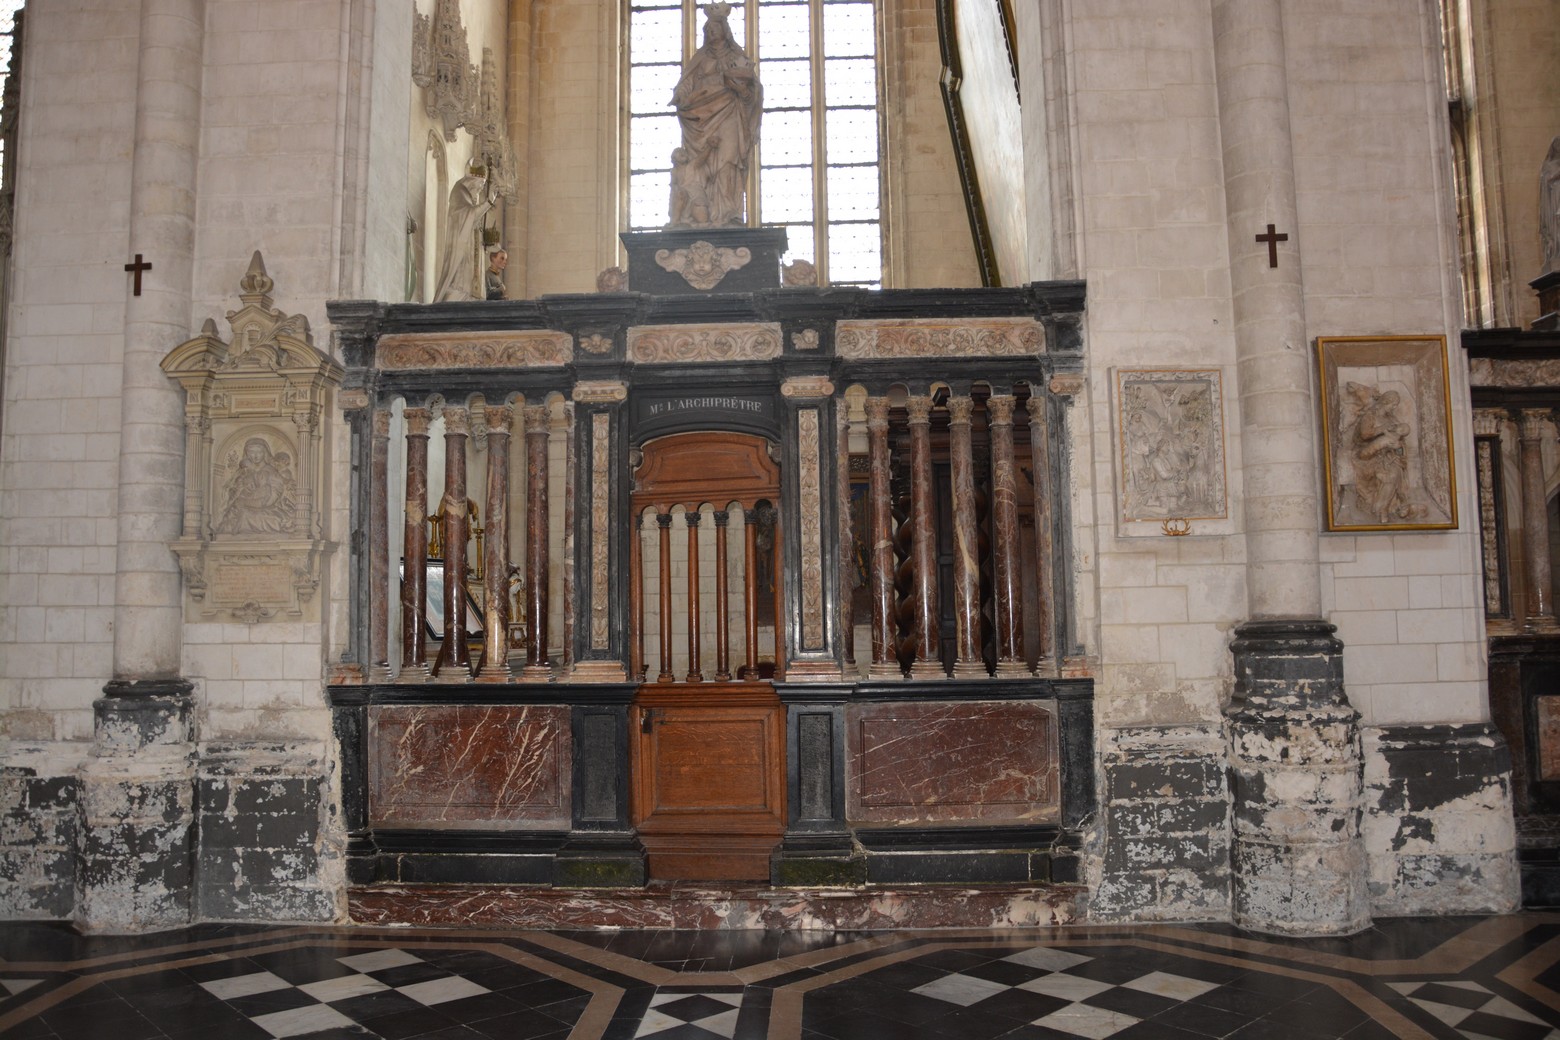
(1423, 979)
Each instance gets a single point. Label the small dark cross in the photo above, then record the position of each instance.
(1272, 238)
(141, 265)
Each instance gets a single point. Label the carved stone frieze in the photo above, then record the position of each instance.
(680, 344)
(940, 337)
(253, 545)
(541, 348)
(703, 264)
(1514, 373)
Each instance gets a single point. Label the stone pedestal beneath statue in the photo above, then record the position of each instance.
(680, 261)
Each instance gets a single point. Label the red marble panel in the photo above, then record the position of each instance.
(468, 766)
(987, 762)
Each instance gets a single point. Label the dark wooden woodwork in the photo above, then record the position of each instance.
(709, 779)
(708, 761)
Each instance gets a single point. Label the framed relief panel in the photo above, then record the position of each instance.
(1387, 433)
(1171, 475)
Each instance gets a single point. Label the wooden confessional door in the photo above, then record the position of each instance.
(708, 739)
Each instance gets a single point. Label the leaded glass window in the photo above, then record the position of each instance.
(819, 163)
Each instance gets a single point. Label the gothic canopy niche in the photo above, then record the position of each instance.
(253, 547)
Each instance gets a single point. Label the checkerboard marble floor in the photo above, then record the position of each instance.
(1449, 978)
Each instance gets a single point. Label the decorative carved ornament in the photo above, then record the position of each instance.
(805, 339)
(253, 545)
(466, 350)
(938, 337)
(807, 387)
(599, 392)
(1522, 374)
(703, 265)
(679, 344)
(441, 65)
(600, 528)
(596, 344)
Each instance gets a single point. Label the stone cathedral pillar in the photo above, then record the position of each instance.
(138, 788)
(1298, 859)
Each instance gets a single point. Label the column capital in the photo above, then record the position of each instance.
(535, 418)
(499, 418)
(692, 517)
(1486, 421)
(1000, 408)
(960, 409)
(1533, 421)
(920, 408)
(381, 423)
(877, 413)
(457, 421)
(417, 421)
(601, 391)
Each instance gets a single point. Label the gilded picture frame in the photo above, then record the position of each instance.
(1386, 417)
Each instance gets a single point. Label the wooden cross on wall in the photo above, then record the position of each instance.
(1272, 238)
(139, 266)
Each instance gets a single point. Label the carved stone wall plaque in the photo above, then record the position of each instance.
(254, 546)
(1171, 455)
(940, 337)
(680, 344)
(468, 350)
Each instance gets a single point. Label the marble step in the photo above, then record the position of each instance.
(711, 907)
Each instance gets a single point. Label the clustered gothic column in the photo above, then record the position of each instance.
(536, 436)
(1535, 523)
(495, 549)
(414, 583)
(454, 663)
(1294, 744)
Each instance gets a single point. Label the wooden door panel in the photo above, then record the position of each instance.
(714, 759)
(709, 779)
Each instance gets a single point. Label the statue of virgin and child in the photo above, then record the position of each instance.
(719, 102)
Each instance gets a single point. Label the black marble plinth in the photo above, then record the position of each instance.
(1296, 661)
(648, 274)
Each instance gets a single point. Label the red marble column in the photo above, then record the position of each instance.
(664, 520)
(379, 547)
(1535, 523)
(414, 580)
(1004, 523)
(1040, 467)
(695, 669)
(722, 624)
(750, 593)
(536, 667)
(846, 546)
(966, 542)
(880, 529)
(923, 548)
(495, 549)
(454, 663)
(777, 560)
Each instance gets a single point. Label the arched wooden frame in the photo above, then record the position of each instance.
(690, 470)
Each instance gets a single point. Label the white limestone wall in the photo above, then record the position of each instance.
(1377, 247)
(1151, 245)
(59, 458)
